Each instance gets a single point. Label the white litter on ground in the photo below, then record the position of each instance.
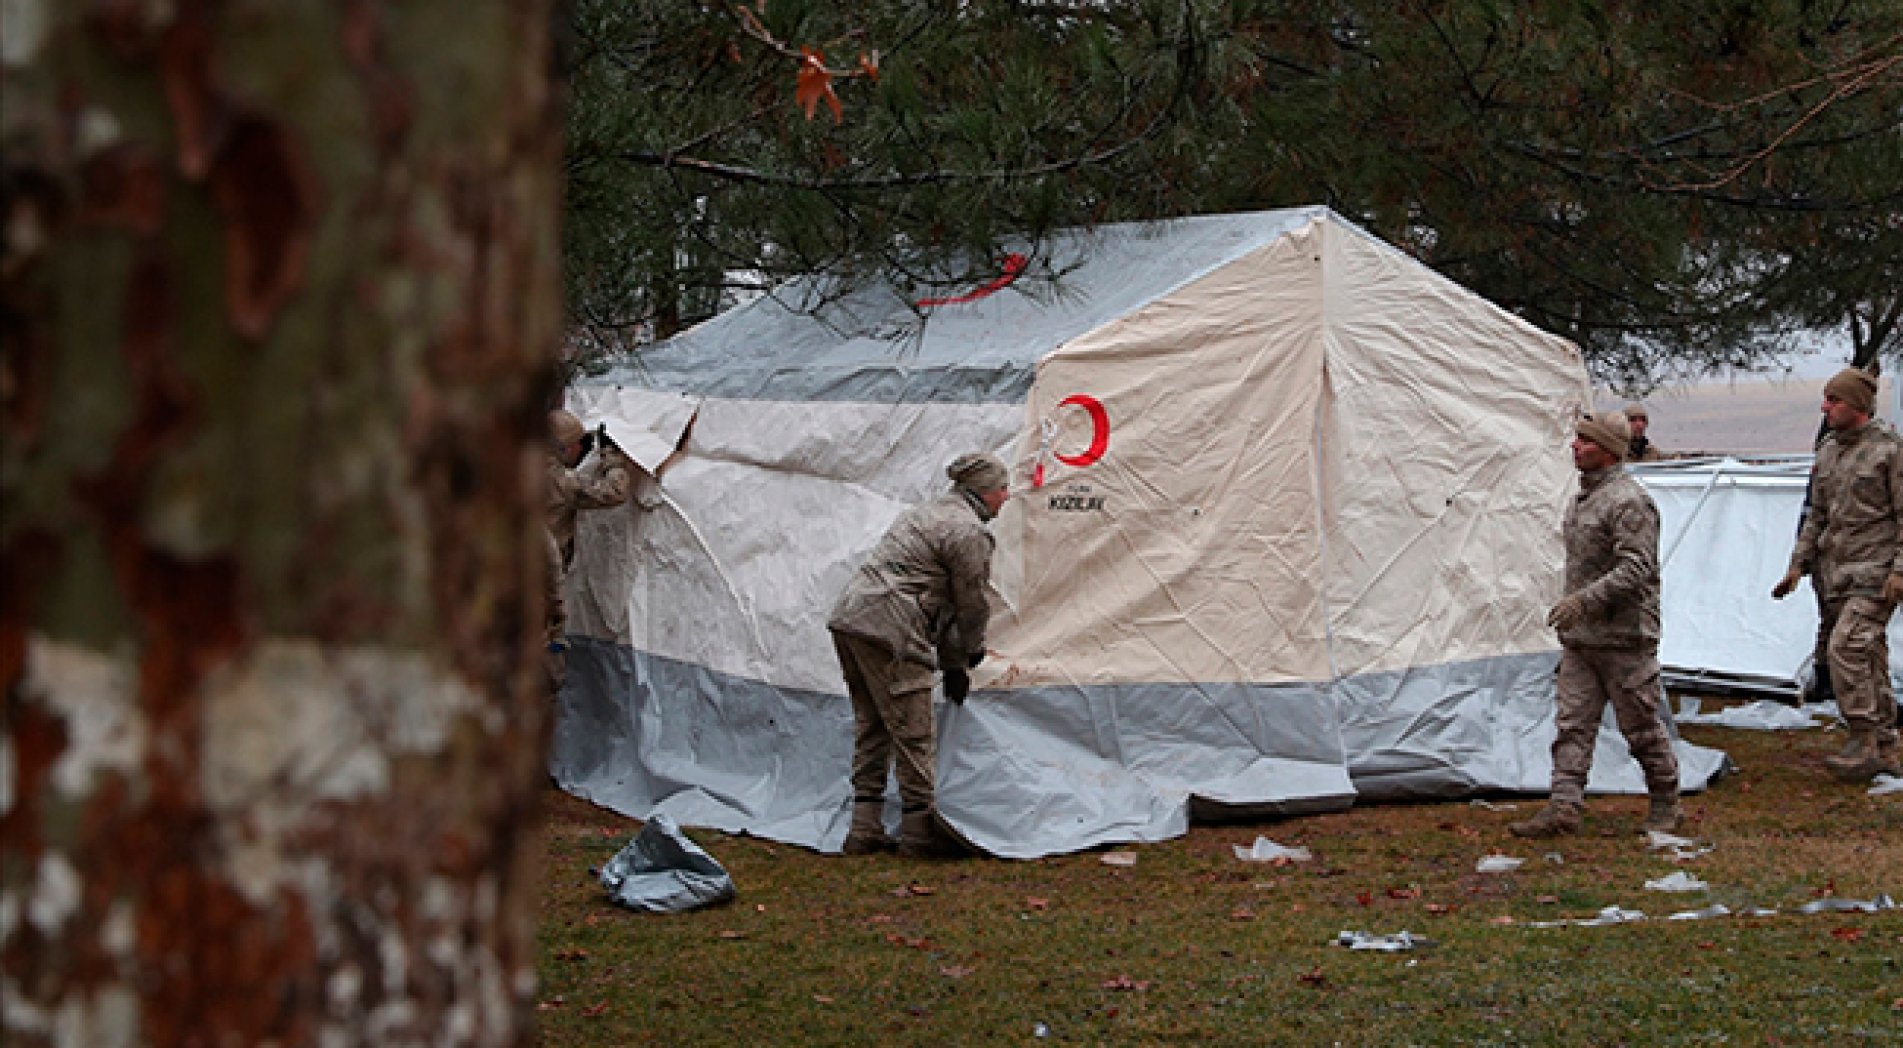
(1399, 941)
(1119, 858)
(1881, 902)
(1266, 850)
(1677, 882)
(1716, 909)
(1762, 715)
(1884, 784)
(1482, 802)
(1498, 864)
(1678, 849)
(1615, 915)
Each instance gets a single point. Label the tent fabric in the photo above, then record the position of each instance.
(1283, 534)
(1726, 530)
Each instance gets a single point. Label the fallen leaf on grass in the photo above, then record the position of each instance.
(954, 971)
(906, 891)
(822, 998)
(1847, 934)
(1125, 984)
(1365, 898)
(916, 944)
(551, 1004)
(759, 907)
(879, 918)
(1409, 892)
(1505, 918)
(1242, 913)
(729, 933)
(1313, 977)
(576, 954)
(595, 1009)
(1035, 903)
(1441, 909)
(591, 920)
(1707, 945)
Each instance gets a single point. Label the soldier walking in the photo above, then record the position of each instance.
(1608, 623)
(1851, 545)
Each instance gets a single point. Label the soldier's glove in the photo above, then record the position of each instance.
(1567, 613)
(1789, 582)
(957, 685)
(1893, 588)
(972, 660)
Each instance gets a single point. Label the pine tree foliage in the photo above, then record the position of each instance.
(1678, 186)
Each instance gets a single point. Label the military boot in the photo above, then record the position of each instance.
(1558, 817)
(1889, 759)
(1859, 761)
(921, 837)
(867, 834)
(1665, 816)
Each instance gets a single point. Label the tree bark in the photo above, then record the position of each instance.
(279, 287)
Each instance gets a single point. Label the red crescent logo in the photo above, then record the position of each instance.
(1099, 429)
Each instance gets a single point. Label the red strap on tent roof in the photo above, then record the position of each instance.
(1014, 264)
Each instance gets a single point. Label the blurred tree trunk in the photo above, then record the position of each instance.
(280, 296)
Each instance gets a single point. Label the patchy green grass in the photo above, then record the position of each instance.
(1193, 946)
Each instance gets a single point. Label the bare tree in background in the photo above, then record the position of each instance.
(280, 294)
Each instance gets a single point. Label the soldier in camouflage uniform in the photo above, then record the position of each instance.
(1640, 448)
(1852, 547)
(1608, 623)
(916, 605)
(607, 481)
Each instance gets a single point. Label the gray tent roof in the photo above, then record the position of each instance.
(869, 345)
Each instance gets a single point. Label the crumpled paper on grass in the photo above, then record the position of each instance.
(662, 871)
(1399, 941)
(1881, 902)
(1885, 783)
(1497, 864)
(1266, 850)
(1679, 849)
(1677, 882)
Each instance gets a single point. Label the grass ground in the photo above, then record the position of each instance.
(1191, 945)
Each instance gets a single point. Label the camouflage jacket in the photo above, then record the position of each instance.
(1612, 562)
(605, 479)
(1852, 537)
(920, 593)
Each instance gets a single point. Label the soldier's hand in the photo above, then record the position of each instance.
(973, 659)
(1567, 613)
(957, 685)
(1893, 587)
(1788, 583)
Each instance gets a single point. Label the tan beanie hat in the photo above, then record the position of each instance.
(1609, 430)
(1636, 410)
(1855, 387)
(563, 427)
(977, 472)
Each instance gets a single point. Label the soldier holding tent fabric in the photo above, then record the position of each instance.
(1851, 545)
(608, 481)
(916, 604)
(1608, 623)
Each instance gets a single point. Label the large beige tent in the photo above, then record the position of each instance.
(1284, 531)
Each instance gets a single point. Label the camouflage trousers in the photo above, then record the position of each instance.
(1589, 679)
(1860, 666)
(892, 722)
